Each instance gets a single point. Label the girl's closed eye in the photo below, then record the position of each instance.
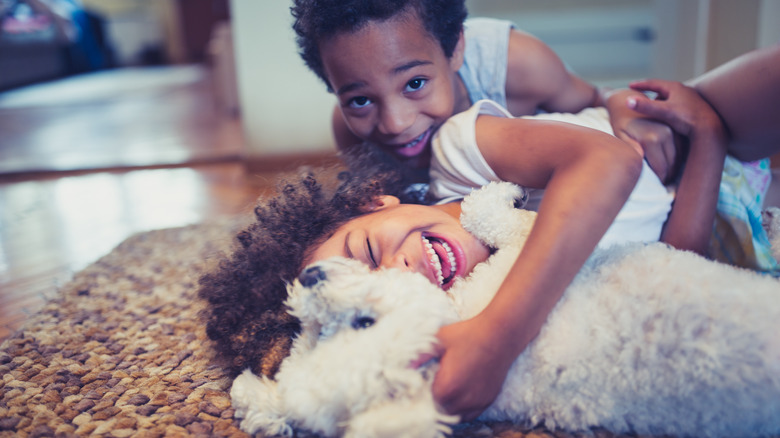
(371, 256)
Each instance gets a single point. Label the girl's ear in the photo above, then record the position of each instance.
(456, 60)
(381, 202)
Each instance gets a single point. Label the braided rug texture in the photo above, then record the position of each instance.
(121, 351)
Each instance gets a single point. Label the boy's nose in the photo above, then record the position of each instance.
(395, 120)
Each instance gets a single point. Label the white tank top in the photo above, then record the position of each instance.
(458, 167)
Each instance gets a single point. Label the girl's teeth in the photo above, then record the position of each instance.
(436, 263)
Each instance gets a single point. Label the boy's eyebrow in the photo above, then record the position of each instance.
(397, 70)
(409, 65)
(350, 87)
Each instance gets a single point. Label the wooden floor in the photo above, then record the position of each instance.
(87, 161)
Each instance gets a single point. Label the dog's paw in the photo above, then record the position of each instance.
(256, 400)
(412, 418)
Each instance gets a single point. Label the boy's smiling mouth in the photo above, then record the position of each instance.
(412, 148)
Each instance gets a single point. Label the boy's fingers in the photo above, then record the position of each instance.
(657, 86)
(658, 110)
(652, 108)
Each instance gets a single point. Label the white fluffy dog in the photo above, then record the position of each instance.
(646, 340)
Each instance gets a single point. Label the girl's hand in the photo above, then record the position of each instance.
(473, 367)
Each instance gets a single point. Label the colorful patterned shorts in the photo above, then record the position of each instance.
(738, 235)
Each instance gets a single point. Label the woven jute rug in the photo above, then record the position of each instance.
(122, 352)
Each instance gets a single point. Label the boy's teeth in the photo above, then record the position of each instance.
(434, 258)
(414, 142)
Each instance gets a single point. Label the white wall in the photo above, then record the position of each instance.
(607, 42)
(698, 35)
(285, 109)
(768, 29)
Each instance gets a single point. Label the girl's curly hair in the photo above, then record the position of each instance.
(246, 316)
(316, 20)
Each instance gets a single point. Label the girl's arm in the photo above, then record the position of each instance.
(689, 226)
(588, 175)
(745, 92)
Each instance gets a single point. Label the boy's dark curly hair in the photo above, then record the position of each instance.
(316, 20)
(246, 317)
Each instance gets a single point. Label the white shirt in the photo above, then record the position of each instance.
(458, 167)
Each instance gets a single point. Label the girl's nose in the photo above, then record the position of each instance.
(395, 119)
(397, 261)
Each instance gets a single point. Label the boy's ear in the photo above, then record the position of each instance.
(456, 60)
(379, 203)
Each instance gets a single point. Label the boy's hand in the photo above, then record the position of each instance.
(472, 369)
(678, 105)
(654, 140)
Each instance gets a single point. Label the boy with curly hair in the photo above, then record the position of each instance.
(397, 107)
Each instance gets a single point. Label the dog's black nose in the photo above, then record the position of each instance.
(311, 276)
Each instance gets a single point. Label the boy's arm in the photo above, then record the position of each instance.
(689, 226)
(538, 79)
(587, 176)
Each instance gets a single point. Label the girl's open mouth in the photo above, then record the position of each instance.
(444, 259)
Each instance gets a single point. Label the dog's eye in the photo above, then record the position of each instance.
(362, 322)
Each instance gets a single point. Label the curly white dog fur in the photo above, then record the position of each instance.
(646, 340)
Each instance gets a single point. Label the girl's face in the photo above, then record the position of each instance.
(394, 84)
(419, 238)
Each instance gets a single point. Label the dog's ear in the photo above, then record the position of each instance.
(305, 304)
(494, 215)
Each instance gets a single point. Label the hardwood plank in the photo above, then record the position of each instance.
(87, 162)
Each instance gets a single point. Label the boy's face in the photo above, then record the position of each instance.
(394, 84)
(418, 238)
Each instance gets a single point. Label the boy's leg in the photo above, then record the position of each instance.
(746, 93)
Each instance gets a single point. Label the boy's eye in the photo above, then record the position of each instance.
(415, 84)
(359, 102)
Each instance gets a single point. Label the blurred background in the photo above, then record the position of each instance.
(120, 116)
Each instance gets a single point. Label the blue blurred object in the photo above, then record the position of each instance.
(46, 39)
